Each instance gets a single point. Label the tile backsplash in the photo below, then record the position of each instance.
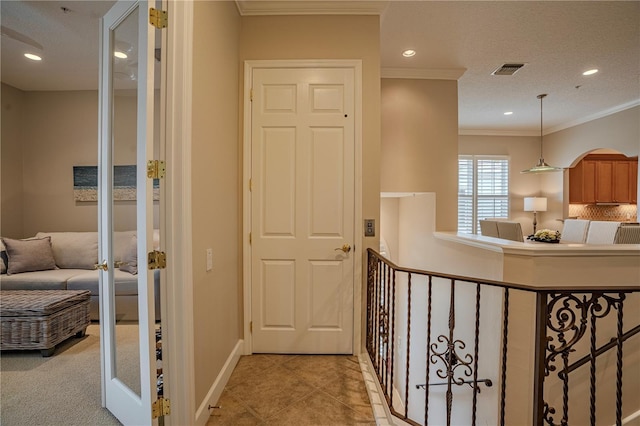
(622, 213)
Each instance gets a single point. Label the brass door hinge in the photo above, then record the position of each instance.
(251, 95)
(251, 327)
(250, 185)
(160, 407)
(158, 18)
(157, 260)
(249, 237)
(156, 169)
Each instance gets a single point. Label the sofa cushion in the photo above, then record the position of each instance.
(125, 283)
(74, 250)
(29, 255)
(55, 279)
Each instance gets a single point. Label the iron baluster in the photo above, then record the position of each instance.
(619, 364)
(505, 336)
(426, 394)
(592, 367)
(475, 358)
(451, 352)
(406, 384)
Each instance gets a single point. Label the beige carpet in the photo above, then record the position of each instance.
(63, 389)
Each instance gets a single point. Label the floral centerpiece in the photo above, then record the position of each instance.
(546, 236)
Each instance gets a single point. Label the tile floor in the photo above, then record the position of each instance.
(301, 390)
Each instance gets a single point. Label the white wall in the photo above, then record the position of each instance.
(215, 177)
(13, 115)
(419, 151)
(45, 134)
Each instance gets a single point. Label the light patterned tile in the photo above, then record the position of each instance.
(350, 392)
(296, 390)
(320, 409)
(231, 412)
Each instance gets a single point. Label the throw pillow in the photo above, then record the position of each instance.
(73, 250)
(121, 244)
(130, 259)
(3, 258)
(29, 255)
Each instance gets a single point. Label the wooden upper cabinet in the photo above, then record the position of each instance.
(589, 182)
(604, 179)
(634, 182)
(575, 183)
(622, 182)
(604, 182)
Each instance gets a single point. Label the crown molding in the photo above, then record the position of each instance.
(592, 117)
(601, 114)
(423, 73)
(490, 132)
(311, 7)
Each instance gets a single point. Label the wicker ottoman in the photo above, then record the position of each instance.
(40, 319)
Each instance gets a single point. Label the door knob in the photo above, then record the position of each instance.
(345, 248)
(102, 266)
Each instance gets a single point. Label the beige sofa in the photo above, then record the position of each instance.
(66, 261)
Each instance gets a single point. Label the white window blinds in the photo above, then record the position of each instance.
(483, 190)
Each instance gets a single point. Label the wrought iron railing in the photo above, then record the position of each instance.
(438, 343)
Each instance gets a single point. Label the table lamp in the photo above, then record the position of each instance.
(535, 205)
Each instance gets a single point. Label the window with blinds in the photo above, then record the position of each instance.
(483, 190)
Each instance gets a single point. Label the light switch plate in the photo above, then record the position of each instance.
(369, 228)
(209, 259)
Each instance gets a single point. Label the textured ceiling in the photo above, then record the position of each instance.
(557, 40)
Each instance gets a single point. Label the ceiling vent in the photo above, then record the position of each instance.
(507, 69)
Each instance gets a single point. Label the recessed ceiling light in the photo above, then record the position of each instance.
(32, 57)
(508, 113)
(120, 55)
(590, 72)
(409, 53)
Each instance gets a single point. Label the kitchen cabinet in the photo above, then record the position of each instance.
(621, 184)
(634, 182)
(604, 179)
(582, 183)
(604, 182)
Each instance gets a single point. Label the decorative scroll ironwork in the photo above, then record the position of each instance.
(383, 325)
(451, 360)
(567, 323)
(564, 317)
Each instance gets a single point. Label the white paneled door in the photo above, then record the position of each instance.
(302, 210)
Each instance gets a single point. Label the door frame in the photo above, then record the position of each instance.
(249, 66)
(177, 293)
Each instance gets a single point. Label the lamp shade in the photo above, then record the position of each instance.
(535, 204)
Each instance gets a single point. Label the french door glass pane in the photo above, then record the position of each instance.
(125, 100)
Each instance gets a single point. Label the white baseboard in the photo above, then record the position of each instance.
(379, 406)
(203, 412)
(629, 419)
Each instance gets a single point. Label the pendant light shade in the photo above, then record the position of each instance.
(541, 167)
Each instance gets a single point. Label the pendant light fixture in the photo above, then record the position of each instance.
(541, 167)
